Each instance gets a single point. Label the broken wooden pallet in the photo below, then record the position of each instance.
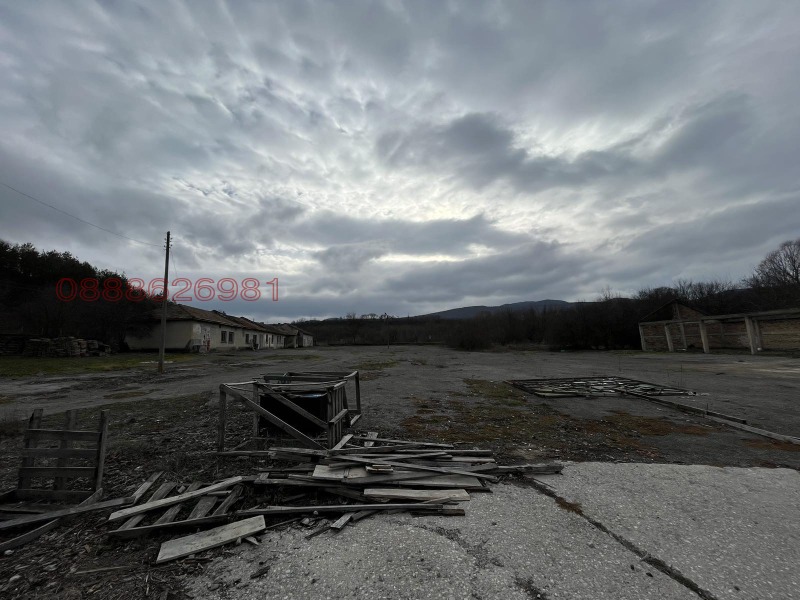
(200, 506)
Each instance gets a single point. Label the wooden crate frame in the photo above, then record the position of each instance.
(64, 453)
(353, 414)
(253, 395)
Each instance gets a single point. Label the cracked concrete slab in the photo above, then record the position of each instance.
(514, 544)
(733, 531)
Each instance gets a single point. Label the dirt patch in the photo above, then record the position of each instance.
(767, 444)
(128, 394)
(573, 507)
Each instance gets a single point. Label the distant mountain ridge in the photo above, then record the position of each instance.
(468, 312)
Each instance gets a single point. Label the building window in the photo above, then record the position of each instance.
(224, 335)
(246, 338)
(230, 337)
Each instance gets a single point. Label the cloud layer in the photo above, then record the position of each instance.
(405, 157)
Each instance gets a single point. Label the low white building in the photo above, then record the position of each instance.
(195, 330)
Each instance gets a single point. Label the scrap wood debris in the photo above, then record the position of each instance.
(360, 477)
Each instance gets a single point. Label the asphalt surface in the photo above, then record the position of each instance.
(640, 532)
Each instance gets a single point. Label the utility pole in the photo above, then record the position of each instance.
(164, 313)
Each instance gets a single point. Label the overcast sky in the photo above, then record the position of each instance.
(405, 157)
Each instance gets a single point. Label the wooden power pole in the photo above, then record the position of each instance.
(164, 312)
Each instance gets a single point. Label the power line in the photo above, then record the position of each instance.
(78, 218)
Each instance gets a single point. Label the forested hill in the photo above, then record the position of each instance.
(29, 302)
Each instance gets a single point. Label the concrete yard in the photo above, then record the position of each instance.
(653, 503)
(729, 533)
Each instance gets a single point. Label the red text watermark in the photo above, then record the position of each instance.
(204, 289)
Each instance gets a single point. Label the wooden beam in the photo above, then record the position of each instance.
(102, 446)
(298, 435)
(145, 487)
(29, 441)
(135, 510)
(162, 492)
(59, 452)
(442, 495)
(213, 538)
(33, 534)
(334, 508)
(343, 442)
(135, 532)
(62, 472)
(172, 512)
(59, 434)
(66, 512)
(415, 467)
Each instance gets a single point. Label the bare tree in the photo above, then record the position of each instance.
(777, 277)
(780, 268)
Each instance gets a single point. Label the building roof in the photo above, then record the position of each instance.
(242, 322)
(183, 312)
(665, 312)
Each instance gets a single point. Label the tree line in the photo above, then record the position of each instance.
(608, 322)
(30, 304)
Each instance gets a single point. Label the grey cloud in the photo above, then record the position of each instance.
(654, 139)
(482, 150)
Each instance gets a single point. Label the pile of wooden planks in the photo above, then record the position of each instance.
(359, 477)
(385, 475)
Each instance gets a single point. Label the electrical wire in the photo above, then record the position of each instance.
(78, 218)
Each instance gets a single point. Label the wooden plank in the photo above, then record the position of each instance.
(202, 508)
(326, 472)
(52, 495)
(31, 535)
(135, 532)
(413, 467)
(232, 498)
(135, 510)
(145, 487)
(339, 524)
(63, 472)
(213, 538)
(370, 438)
(66, 512)
(29, 441)
(537, 469)
(172, 512)
(339, 416)
(440, 481)
(59, 452)
(455, 495)
(334, 508)
(221, 411)
(40, 435)
(755, 430)
(162, 492)
(374, 450)
(102, 446)
(342, 442)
